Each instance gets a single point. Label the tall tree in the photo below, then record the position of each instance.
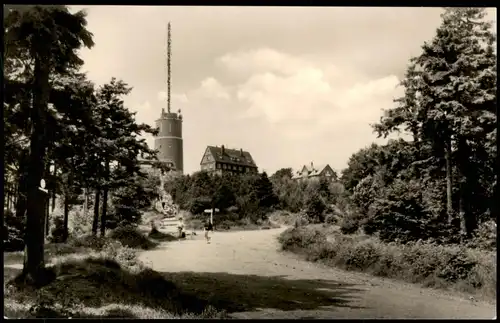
(459, 92)
(49, 36)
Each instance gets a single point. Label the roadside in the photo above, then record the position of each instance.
(244, 273)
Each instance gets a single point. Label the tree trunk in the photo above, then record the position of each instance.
(21, 197)
(449, 200)
(34, 266)
(105, 200)
(86, 202)
(46, 205)
(22, 189)
(66, 216)
(7, 195)
(468, 221)
(54, 189)
(14, 192)
(47, 217)
(104, 211)
(95, 222)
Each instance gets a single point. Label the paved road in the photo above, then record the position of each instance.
(245, 273)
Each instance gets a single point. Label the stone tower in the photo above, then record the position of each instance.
(169, 139)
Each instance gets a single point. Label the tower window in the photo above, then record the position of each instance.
(170, 127)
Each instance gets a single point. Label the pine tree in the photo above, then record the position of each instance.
(264, 192)
(49, 36)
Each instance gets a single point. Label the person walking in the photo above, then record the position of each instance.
(208, 227)
(180, 227)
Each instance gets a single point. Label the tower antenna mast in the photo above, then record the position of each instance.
(169, 57)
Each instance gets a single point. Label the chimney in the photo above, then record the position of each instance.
(312, 166)
(222, 147)
(241, 152)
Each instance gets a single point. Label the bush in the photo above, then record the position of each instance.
(89, 241)
(331, 219)
(315, 208)
(198, 205)
(130, 236)
(57, 233)
(300, 238)
(13, 235)
(417, 262)
(349, 225)
(485, 236)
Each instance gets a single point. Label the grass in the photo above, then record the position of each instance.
(110, 283)
(128, 236)
(100, 277)
(446, 267)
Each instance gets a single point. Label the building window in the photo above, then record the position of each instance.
(240, 168)
(223, 166)
(218, 166)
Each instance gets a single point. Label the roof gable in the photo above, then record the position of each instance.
(314, 170)
(207, 153)
(232, 156)
(327, 169)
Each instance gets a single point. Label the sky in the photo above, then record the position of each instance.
(291, 85)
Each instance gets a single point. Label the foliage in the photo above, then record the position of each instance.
(57, 234)
(449, 108)
(282, 173)
(13, 232)
(130, 236)
(315, 209)
(246, 195)
(302, 237)
(430, 264)
(349, 225)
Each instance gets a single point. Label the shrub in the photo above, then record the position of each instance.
(349, 225)
(331, 219)
(198, 205)
(417, 262)
(315, 208)
(300, 238)
(13, 235)
(89, 241)
(130, 236)
(224, 225)
(57, 233)
(485, 236)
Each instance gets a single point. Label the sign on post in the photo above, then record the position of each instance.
(42, 186)
(211, 214)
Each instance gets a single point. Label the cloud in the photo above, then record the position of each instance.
(261, 60)
(212, 89)
(305, 99)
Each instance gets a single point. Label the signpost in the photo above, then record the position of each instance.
(42, 186)
(211, 211)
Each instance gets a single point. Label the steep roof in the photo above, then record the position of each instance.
(232, 156)
(313, 170)
(317, 169)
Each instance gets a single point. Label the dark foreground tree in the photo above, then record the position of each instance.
(49, 36)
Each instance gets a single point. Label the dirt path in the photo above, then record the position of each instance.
(245, 273)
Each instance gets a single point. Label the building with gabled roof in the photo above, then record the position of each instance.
(219, 160)
(315, 172)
